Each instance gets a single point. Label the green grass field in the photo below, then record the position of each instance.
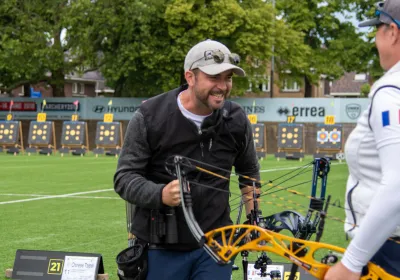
(69, 204)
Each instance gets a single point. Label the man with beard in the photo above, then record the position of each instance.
(194, 121)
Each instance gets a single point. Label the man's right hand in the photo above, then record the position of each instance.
(171, 195)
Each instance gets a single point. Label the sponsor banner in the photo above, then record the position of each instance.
(121, 108)
(18, 106)
(56, 108)
(305, 110)
(60, 106)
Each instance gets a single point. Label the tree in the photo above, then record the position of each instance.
(140, 45)
(365, 89)
(145, 43)
(134, 47)
(335, 45)
(366, 10)
(32, 49)
(20, 47)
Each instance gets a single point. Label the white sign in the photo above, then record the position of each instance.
(254, 274)
(79, 268)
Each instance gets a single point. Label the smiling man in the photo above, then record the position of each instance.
(194, 121)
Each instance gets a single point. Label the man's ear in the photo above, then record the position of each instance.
(395, 33)
(190, 77)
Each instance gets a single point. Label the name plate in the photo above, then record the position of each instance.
(79, 268)
(55, 265)
(283, 268)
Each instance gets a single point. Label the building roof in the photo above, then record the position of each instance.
(349, 84)
(92, 77)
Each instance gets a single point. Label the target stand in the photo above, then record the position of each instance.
(11, 140)
(108, 138)
(41, 138)
(260, 139)
(329, 141)
(74, 138)
(290, 141)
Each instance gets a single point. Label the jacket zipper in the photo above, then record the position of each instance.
(201, 145)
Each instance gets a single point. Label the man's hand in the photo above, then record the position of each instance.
(171, 195)
(340, 272)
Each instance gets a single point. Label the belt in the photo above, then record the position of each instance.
(174, 247)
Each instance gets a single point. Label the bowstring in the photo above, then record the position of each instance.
(282, 189)
(233, 173)
(279, 183)
(300, 170)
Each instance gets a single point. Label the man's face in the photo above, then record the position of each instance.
(211, 91)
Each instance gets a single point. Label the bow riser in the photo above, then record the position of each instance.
(282, 245)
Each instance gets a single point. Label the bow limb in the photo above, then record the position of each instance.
(186, 203)
(281, 245)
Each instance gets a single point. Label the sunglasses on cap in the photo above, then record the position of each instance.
(218, 57)
(379, 12)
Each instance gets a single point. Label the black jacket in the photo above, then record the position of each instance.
(157, 131)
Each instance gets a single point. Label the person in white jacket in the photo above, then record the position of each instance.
(372, 153)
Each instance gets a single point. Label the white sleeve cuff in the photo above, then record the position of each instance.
(350, 260)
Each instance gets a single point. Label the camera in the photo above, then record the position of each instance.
(163, 226)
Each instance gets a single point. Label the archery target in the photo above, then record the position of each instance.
(329, 136)
(258, 135)
(73, 133)
(290, 136)
(9, 132)
(40, 133)
(335, 136)
(322, 136)
(107, 134)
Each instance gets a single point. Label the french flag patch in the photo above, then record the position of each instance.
(385, 118)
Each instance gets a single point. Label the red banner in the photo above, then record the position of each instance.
(18, 106)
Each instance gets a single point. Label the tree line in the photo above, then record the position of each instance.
(139, 46)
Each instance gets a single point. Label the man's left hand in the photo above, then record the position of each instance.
(340, 272)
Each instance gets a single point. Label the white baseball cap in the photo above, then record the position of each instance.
(212, 58)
